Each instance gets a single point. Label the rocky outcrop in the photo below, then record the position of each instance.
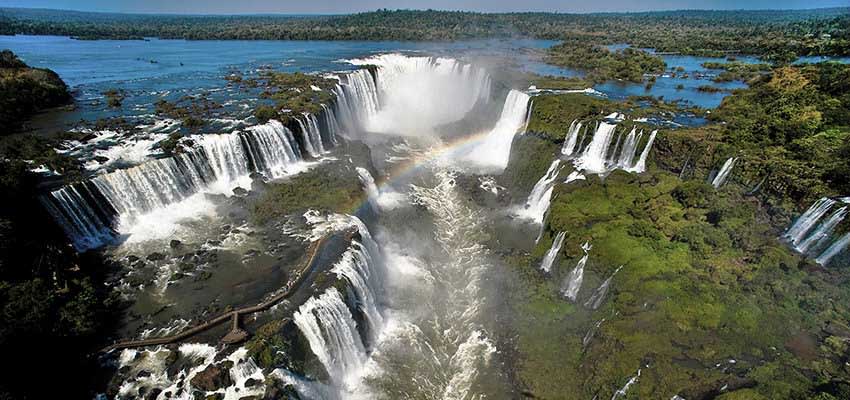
(212, 378)
(25, 91)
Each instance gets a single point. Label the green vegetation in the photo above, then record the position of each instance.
(25, 91)
(277, 344)
(709, 89)
(191, 110)
(552, 114)
(700, 286)
(776, 35)
(53, 303)
(708, 296)
(293, 94)
(332, 187)
(737, 71)
(602, 64)
(793, 125)
(27, 151)
(558, 83)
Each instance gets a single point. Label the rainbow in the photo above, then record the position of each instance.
(417, 162)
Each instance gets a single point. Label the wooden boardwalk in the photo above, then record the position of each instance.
(236, 334)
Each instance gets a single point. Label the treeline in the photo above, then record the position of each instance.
(773, 34)
(602, 64)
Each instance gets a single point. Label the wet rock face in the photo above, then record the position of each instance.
(212, 378)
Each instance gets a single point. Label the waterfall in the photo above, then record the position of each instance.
(369, 185)
(307, 137)
(494, 151)
(332, 333)
(820, 235)
(575, 176)
(598, 296)
(138, 190)
(541, 195)
(627, 152)
(641, 164)
(569, 146)
(356, 101)
(810, 233)
(552, 253)
(226, 157)
(797, 232)
(88, 212)
(590, 332)
(272, 148)
(380, 199)
(594, 159)
(414, 95)
(833, 250)
(725, 170)
(599, 157)
(327, 321)
(622, 391)
(331, 123)
(572, 282)
(360, 270)
(81, 215)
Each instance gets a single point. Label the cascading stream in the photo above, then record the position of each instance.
(541, 195)
(724, 173)
(552, 253)
(91, 212)
(602, 155)
(572, 282)
(812, 235)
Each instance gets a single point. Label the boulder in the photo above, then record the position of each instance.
(240, 191)
(212, 378)
(256, 176)
(155, 256)
(153, 394)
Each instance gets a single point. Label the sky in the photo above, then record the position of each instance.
(349, 6)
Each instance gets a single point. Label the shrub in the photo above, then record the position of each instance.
(694, 194)
(265, 113)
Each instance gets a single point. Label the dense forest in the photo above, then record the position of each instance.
(772, 34)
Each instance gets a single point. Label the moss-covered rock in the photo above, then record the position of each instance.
(333, 186)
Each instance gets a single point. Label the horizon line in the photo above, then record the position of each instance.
(284, 14)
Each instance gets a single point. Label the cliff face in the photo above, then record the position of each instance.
(25, 91)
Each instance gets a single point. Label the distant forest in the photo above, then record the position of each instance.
(771, 34)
